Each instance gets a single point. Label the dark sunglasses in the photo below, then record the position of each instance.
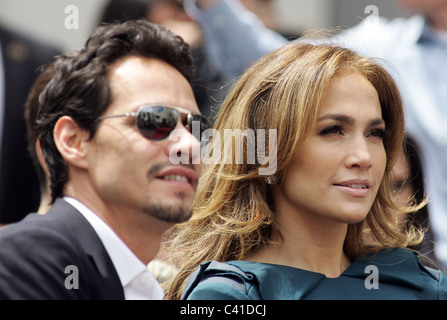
(156, 123)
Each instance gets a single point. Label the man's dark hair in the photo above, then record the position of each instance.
(80, 88)
(31, 109)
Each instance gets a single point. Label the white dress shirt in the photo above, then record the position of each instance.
(137, 281)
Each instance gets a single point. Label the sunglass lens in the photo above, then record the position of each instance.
(156, 123)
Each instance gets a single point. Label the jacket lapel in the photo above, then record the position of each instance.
(91, 244)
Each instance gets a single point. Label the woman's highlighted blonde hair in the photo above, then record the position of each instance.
(233, 212)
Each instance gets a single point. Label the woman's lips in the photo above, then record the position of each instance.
(356, 188)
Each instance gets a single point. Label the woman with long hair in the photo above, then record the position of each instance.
(324, 221)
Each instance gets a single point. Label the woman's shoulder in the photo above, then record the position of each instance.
(388, 274)
(398, 260)
(220, 281)
(402, 268)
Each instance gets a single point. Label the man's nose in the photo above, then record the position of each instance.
(183, 147)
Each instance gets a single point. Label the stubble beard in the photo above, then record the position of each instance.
(176, 212)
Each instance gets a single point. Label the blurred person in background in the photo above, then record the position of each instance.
(407, 178)
(416, 47)
(20, 59)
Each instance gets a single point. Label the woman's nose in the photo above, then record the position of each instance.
(359, 155)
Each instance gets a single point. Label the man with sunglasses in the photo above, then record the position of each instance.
(110, 121)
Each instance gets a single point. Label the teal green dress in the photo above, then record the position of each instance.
(391, 274)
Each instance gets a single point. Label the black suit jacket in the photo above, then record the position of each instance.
(19, 186)
(35, 254)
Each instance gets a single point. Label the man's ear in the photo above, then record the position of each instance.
(71, 141)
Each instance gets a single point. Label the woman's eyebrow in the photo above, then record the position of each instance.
(348, 120)
(337, 117)
(376, 122)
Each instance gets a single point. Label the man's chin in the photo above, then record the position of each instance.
(169, 213)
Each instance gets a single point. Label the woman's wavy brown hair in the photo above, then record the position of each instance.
(233, 211)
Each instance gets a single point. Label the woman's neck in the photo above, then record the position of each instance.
(313, 246)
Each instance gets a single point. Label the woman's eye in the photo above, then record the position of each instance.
(378, 133)
(332, 130)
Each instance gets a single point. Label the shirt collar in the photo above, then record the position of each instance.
(136, 279)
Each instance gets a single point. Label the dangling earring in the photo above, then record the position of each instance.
(272, 179)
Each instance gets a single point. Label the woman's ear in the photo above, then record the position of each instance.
(71, 141)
